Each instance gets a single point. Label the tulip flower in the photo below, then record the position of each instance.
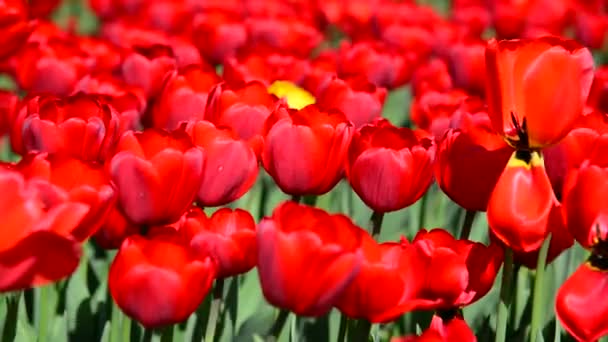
(529, 81)
(522, 207)
(84, 182)
(389, 168)
(443, 330)
(299, 238)
(147, 67)
(304, 150)
(157, 281)
(143, 163)
(228, 236)
(15, 26)
(231, 166)
(83, 126)
(470, 160)
(358, 99)
(36, 242)
(183, 97)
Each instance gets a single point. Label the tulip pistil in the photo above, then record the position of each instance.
(522, 133)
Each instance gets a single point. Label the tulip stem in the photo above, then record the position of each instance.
(43, 309)
(167, 333)
(376, 223)
(214, 310)
(342, 328)
(538, 295)
(277, 327)
(422, 213)
(505, 297)
(359, 330)
(9, 329)
(469, 217)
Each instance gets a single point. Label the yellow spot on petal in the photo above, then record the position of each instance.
(296, 97)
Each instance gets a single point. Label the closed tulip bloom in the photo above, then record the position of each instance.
(304, 150)
(522, 206)
(183, 97)
(36, 242)
(360, 100)
(228, 236)
(231, 166)
(581, 304)
(389, 168)
(536, 88)
(157, 175)
(157, 281)
(147, 67)
(586, 202)
(298, 238)
(470, 159)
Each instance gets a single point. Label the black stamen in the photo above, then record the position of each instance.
(524, 155)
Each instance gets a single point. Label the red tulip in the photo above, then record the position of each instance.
(598, 95)
(390, 168)
(244, 109)
(447, 273)
(299, 238)
(83, 182)
(157, 281)
(528, 81)
(15, 27)
(381, 67)
(218, 35)
(590, 28)
(51, 67)
(36, 245)
(358, 99)
(305, 150)
(586, 202)
(581, 304)
(265, 67)
(231, 165)
(147, 67)
(183, 97)
(283, 35)
(431, 76)
(42, 8)
(523, 207)
(143, 164)
(470, 160)
(129, 101)
(378, 292)
(81, 125)
(228, 236)
(467, 65)
(443, 330)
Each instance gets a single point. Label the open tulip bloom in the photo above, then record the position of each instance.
(294, 170)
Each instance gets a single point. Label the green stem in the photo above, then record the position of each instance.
(264, 191)
(277, 327)
(126, 328)
(505, 297)
(539, 295)
(342, 328)
(376, 223)
(359, 330)
(214, 311)
(9, 330)
(167, 333)
(469, 217)
(115, 322)
(43, 311)
(148, 333)
(422, 213)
